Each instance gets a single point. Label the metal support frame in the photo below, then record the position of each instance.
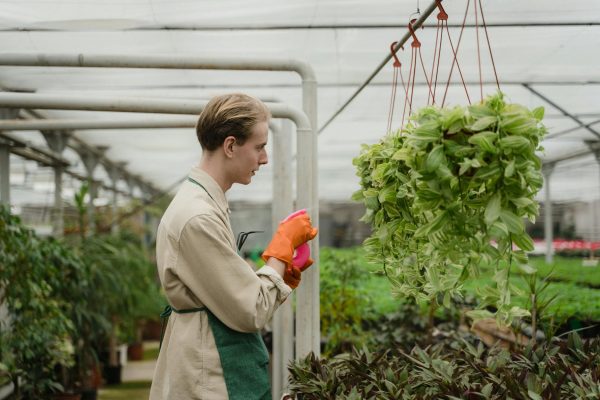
(43, 156)
(548, 218)
(594, 146)
(79, 124)
(277, 110)
(563, 111)
(307, 317)
(283, 320)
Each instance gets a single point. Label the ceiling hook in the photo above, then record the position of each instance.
(442, 16)
(397, 62)
(415, 42)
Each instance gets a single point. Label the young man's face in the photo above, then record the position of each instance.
(249, 157)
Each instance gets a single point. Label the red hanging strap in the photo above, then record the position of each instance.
(397, 71)
(489, 45)
(437, 52)
(415, 51)
(455, 57)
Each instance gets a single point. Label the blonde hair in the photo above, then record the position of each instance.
(233, 114)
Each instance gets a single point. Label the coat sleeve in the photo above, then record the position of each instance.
(212, 270)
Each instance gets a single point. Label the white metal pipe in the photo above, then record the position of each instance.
(135, 104)
(174, 61)
(308, 337)
(283, 323)
(548, 232)
(73, 124)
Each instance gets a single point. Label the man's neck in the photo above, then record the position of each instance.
(216, 171)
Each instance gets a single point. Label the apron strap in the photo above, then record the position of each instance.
(164, 318)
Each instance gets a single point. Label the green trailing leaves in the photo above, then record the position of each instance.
(493, 208)
(451, 183)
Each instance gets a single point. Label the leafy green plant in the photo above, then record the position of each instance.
(409, 326)
(459, 369)
(568, 270)
(125, 285)
(342, 300)
(572, 300)
(538, 302)
(63, 302)
(448, 194)
(36, 337)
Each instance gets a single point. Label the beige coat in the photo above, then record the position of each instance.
(198, 265)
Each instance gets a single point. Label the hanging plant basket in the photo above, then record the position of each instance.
(447, 195)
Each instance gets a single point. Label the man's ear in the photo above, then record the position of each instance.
(228, 146)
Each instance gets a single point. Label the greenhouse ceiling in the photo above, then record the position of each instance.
(546, 53)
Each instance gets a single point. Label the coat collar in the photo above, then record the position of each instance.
(211, 186)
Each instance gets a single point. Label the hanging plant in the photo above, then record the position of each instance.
(447, 196)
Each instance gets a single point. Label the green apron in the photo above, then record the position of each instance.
(244, 358)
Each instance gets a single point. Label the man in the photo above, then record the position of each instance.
(211, 347)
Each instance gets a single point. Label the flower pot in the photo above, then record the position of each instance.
(89, 394)
(135, 351)
(112, 374)
(66, 396)
(151, 330)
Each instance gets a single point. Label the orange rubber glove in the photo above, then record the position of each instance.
(293, 274)
(290, 234)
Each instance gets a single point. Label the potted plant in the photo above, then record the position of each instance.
(128, 289)
(448, 194)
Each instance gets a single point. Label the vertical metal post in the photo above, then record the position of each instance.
(91, 210)
(145, 219)
(308, 324)
(4, 174)
(58, 217)
(5, 113)
(283, 320)
(548, 231)
(595, 147)
(90, 161)
(114, 175)
(114, 228)
(132, 183)
(57, 142)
